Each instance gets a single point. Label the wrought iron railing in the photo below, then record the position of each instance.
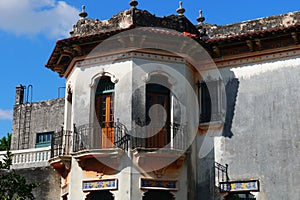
(100, 136)
(122, 137)
(115, 135)
(221, 173)
(61, 143)
(170, 135)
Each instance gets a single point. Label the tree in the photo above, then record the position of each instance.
(12, 185)
(5, 142)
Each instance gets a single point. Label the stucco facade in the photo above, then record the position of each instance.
(172, 110)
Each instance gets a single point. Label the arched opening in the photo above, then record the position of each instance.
(100, 195)
(104, 104)
(157, 120)
(240, 196)
(158, 194)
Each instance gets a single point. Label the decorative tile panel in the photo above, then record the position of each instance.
(109, 184)
(240, 186)
(159, 184)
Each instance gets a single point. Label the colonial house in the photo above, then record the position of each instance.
(161, 108)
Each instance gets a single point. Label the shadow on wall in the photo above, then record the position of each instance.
(231, 90)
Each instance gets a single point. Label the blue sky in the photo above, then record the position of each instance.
(30, 28)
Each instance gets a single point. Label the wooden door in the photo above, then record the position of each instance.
(158, 129)
(106, 119)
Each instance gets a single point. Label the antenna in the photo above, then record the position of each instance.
(29, 91)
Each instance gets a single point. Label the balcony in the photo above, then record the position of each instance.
(156, 148)
(90, 137)
(60, 152)
(103, 146)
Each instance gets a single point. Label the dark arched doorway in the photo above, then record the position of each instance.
(100, 195)
(104, 103)
(158, 195)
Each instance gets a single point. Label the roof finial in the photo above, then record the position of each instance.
(83, 14)
(200, 27)
(180, 10)
(200, 19)
(133, 3)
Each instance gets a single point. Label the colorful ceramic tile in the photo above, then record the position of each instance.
(240, 186)
(110, 184)
(158, 184)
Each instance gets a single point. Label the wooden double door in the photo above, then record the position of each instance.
(157, 118)
(105, 115)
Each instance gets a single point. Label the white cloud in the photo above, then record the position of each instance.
(30, 17)
(6, 114)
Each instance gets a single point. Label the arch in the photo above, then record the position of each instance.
(158, 194)
(102, 194)
(240, 196)
(95, 79)
(170, 80)
(105, 85)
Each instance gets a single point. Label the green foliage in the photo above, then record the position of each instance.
(12, 185)
(5, 142)
(7, 161)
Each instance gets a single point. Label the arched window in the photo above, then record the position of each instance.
(104, 104)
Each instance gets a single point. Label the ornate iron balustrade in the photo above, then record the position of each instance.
(116, 135)
(221, 173)
(100, 136)
(61, 143)
(171, 135)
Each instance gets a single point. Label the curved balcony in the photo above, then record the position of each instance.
(95, 137)
(158, 148)
(100, 144)
(60, 152)
(103, 145)
(153, 137)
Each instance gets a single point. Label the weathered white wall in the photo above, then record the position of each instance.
(265, 127)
